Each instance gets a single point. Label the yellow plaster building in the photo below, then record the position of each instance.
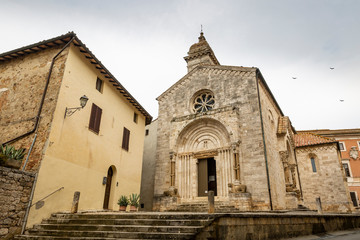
(96, 150)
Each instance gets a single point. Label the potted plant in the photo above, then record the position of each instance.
(134, 201)
(123, 202)
(11, 157)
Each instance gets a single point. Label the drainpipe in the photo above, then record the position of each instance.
(37, 118)
(263, 137)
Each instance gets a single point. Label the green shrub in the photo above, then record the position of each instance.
(123, 201)
(134, 199)
(11, 152)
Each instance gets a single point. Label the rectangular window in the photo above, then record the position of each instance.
(354, 199)
(126, 139)
(99, 84)
(346, 169)
(95, 118)
(146, 132)
(342, 146)
(135, 117)
(313, 164)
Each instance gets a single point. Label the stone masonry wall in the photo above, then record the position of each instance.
(270, 116)
(15, 189)
(328, 182)
(232, 86)
(22, 81)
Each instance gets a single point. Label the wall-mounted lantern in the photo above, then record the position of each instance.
(71, 111)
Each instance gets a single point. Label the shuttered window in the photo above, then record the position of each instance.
(346, 169)
(354, 199)
(95, 118)
(126, 139)
(99, 84)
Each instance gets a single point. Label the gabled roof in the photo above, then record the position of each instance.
(220, 67)
(310, 139)
(63, 39)
(354, 132)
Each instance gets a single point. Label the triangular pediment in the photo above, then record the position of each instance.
(224, 69)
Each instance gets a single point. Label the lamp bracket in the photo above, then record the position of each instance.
(71, 111)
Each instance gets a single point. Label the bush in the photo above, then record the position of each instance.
(12, 153)
(134, 199)
(123, 201)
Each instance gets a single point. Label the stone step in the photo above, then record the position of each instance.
(31, 237)
(154, 222)
(203, 207)
(117, 228)
(106, 234)
(169, 216)
(109, 226)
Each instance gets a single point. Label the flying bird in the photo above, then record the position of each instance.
(294, 77)
(332, 68)
(341, 100)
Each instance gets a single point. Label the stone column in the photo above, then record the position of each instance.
(284, 155)
(172, 169)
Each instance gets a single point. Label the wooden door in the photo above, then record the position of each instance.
(108, 188)
(202, 178)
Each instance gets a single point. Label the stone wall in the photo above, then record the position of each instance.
(22, 81)
(15, 189)
(327, 183)
(275, 226)
(270, 116)
(284, 183)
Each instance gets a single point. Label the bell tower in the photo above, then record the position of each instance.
(200, 54)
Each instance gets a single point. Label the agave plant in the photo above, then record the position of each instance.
(123, 201)
(134, 199)
(12, 153)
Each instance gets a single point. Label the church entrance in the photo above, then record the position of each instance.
(207, 176)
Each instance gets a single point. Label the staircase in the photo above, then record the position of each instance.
(220, 207)
(114, 225)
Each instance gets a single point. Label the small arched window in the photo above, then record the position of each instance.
(313, 164)
(314, 161)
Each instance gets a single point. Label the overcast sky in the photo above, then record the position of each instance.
(142, 43)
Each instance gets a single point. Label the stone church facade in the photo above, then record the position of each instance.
(221, 129)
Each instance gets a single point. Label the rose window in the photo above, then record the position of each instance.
(204, 102)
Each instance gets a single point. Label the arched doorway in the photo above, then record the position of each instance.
(203, 159)
(110, 174)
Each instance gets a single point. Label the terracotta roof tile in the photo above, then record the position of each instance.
(309, 139)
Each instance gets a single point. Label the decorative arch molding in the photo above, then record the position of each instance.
(202, 135)
(204, 138)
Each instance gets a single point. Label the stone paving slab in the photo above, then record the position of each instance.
(353, 234)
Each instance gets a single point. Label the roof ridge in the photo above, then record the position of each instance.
(317, 135)
(302, 139)
(65, 38)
